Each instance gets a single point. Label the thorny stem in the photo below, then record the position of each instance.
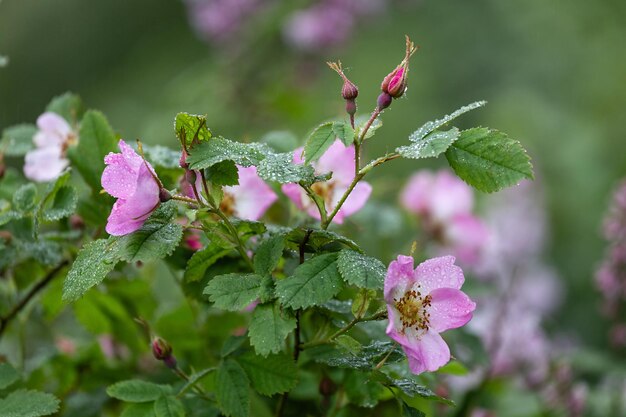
(5, 320)
(184, 199)
(378, 316)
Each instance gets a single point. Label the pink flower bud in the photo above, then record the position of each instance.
(395, 82)
(164, 195)
(384, 101)
(349, 90)
(162, 351)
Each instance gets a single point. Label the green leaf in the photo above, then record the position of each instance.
(7, 216)
(279, 167)
(168, 406)
(344, 132)
(44, 251)
(18, 140)
(489, 160)
(162, 156)
(223, 173)
(431, 146)
(233, 292)
(25, 198)
(315, 281)
(8, 375)
(413, 389)
(270, 375)
(28, 403)
(366, 359)
(360, 125)
(281, 140)
(320, 239)
(202, 260)
(318, 142)
(361, 270)
(156, 239)
(138, 410)
(361, 391)
(348, 343)
(60, 200)
(191, 126)
(232, 389)
(269, 328)
(95, 260)
(137, 391)
(67, 105)
(96, 140)
(193, 379)
(219, 149)
(408, 411)
(268, 254)
(431, 126)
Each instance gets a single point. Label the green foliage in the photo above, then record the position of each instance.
(280, 140)
(429, 127)
(233, 292)
(360, 125)
(315, 281)
(59, 201)
(270, 375)
(279, 167)
(168, 406)
(319, 141)
(67, 105)
(138, 410)
(190, 128)
(28, 403)
(96, 140)
(94, 262)
(361, 391)
(269, 328)
(365, 360)
(162, 156)
(8, 375)
(201, 260)
(361, 270)
(223, 173)
(319, 240)
(232, 389)
(489, 160)
(25, 198)
(219, 149)
(408, 411)
(17, 140)
(344, 132)
(268, 254)
(431, 146)
(137, 391)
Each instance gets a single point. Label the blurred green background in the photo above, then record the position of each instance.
(554, 74)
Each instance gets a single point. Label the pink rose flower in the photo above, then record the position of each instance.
(339, 160)
(422, 303)
(133, 182)
(445, 204)
(47, 161)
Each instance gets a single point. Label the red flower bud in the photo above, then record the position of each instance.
(162, 351)
(384, 101)
(395, 82)
(349, 90)
(164, 195)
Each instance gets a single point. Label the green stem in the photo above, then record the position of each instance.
(345, 329)
(184, 199)
(316, 199)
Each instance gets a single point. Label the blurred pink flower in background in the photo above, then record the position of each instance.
(219, 20)
(47, 161)
(444, 203)
(133, 182)
(423, 302)
(339, 160)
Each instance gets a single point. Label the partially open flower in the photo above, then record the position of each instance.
(339, 160)
(132, 180)
(423, 302)
(47, 160)
(162, 351)
(395, 83)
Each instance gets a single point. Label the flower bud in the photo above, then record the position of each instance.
(351, 107)
(384, 101)
(395, 82)
(349, 90)
(161, 349)
(164, 195)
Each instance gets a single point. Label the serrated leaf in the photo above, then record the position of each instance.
(268, 254)
(67, 105)
(223, 173)
(95, 260)
(138, 410)
(344, 132)
(361, 391)
(46, 252)
(319, 239)
(191, 126)
(430, 146)
(318, 142)
(233, 292)
(408, 411)
(28, 403)
(269, 328)
(232, 389)
(348, 343)
(202, 260)
(366, 359)
(8, 375)
(157, 238)
(63, 204)
(279, 167)
(431, 126)
(489, 160)
(137, 391)
(219, 149)
(413, 389)
(168, 406)
(313, 282)
(361, 270)
(25, 198)
(18, 140)
(162, 156)
(96, 140)
(270, 375)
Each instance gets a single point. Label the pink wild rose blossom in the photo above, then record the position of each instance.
(133, 182)
(445, 203)
(47, 161)
(423, 302)
(339, 160)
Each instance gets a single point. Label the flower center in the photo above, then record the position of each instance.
(227, 206)
(413, 309)
(325, 190)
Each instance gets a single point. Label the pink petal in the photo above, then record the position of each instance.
(355, 201)
(132, 158)
(120, 223)
(439, 273)
(52, 123)
(340, 160)
(468, 236)
(297, 156)
(252, 196)
(44, 164)
(400, 276)
(429, 353)
(295, 194)
(118, 178)
(416, 194)
(450, 196)
(450, 308)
